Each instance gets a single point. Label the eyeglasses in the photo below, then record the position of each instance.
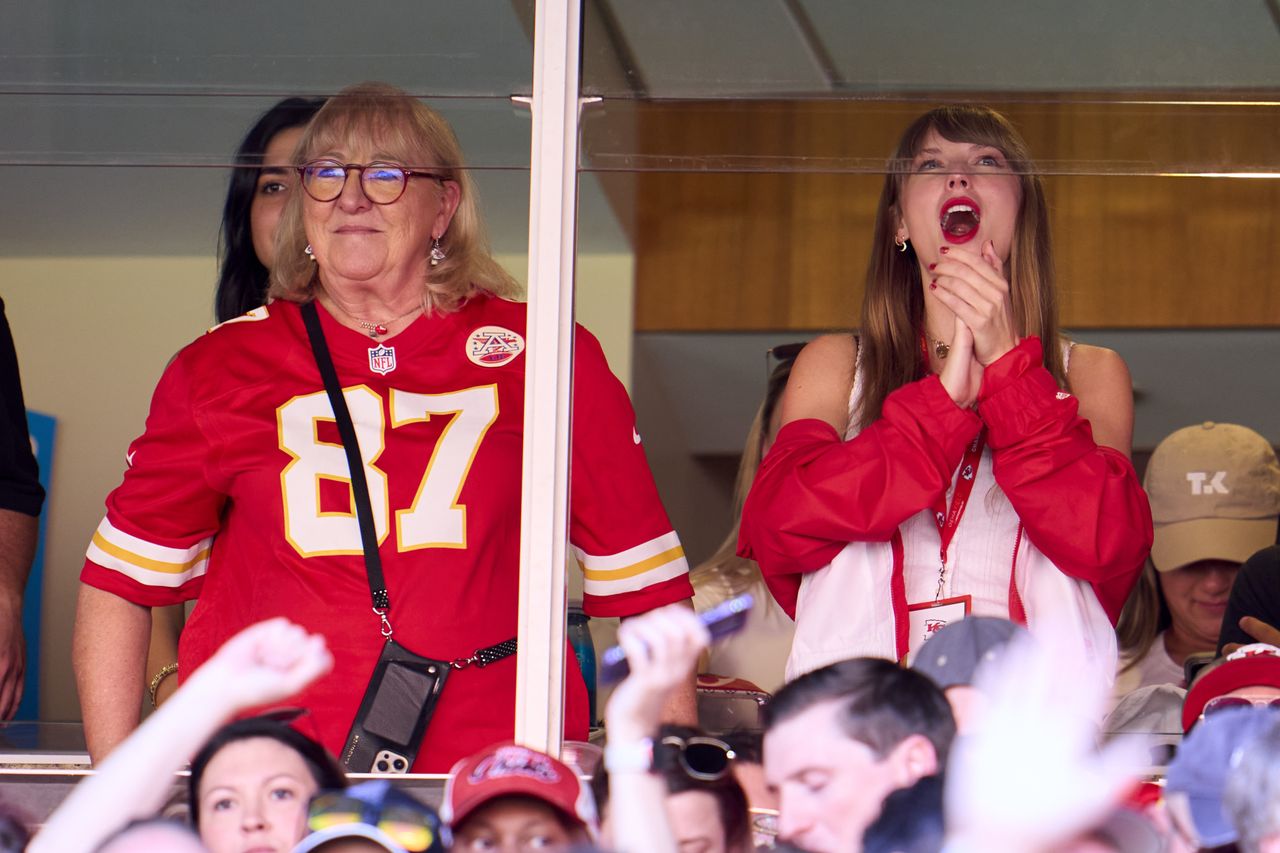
(413, 829)
(704, 758)
(1222, 703)
(383, 183)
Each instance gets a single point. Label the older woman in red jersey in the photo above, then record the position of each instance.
(239, 494)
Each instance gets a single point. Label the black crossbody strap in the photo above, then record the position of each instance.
(360, 489)
(359, 485)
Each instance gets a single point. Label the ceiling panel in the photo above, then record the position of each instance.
(436, 46)
(696, 48)
(1086, 44)
(117, 121)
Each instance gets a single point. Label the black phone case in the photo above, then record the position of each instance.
(391, 702)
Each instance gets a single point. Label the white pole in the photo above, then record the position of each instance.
(545, 488)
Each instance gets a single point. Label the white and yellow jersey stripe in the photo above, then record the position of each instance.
(146, 562)
(634, 569)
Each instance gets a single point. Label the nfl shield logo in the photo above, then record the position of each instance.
(382, 360)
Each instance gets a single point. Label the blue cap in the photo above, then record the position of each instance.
(1207, 756)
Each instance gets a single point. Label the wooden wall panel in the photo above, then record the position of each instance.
(756, 250)
(1167, 252)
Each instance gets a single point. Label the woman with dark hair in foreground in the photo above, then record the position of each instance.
(251, 782)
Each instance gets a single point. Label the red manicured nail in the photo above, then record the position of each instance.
(933, 285)
(931, 266)
(944, 249)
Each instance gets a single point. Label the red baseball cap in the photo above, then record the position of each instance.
(1254, 665)
(508, 769)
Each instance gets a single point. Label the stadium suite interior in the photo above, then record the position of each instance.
(730, 159)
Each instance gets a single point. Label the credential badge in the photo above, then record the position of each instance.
(493, 346)
(382, 359)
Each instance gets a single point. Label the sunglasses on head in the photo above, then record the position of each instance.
(775, 357)
(704, 758)
(411, 828)
(1222, 703)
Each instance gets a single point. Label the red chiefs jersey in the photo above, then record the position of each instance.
(237, 495)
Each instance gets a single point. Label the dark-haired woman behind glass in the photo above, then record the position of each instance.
(255, 198)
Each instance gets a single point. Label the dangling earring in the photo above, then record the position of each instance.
(900, 243)
(310, 254)
(437, 253)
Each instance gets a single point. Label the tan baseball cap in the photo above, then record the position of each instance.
(1215, 495)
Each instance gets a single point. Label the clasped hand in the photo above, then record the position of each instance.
(976, 291)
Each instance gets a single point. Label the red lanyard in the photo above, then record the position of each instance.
(949, 519)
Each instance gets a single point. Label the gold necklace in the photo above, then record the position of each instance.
(375, 330)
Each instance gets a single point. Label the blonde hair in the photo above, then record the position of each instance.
(725, 566)
(1144, 616)
(893, 305)
(418, 135)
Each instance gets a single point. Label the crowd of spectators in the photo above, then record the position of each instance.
(862, 754)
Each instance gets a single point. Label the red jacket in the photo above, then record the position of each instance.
(1080, 504)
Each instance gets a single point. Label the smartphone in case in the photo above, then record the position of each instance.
(397, 706)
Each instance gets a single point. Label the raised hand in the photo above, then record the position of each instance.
(976, 291)
(265, 663)
(1030, 776)
(662, 648)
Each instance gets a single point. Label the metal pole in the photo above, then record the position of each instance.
(545, 488)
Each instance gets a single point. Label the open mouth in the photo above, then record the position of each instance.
(959, 220)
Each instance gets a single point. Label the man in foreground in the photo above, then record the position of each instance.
(839, 739)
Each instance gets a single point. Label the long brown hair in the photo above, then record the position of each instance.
(893, 307)
(419, 135)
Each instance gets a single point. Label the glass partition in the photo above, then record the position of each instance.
(135, 46)
(118, 126)
(742, 148)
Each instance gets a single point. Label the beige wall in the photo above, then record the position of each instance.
(94, 334)
(604, 302)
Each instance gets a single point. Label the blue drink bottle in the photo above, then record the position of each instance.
(585, 651)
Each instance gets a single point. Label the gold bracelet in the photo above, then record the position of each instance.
(165, 671)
